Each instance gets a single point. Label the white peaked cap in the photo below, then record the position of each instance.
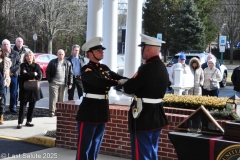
(92, 44)
(147, 40)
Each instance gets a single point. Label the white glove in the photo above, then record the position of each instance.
(122, 81)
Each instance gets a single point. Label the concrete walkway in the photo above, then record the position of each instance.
(36, 135)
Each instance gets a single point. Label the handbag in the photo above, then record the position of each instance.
(31, 85)
(213, 85)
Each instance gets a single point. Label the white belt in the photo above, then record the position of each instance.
(96, 96)
(149, 100)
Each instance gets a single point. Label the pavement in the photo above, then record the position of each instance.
(35, 135)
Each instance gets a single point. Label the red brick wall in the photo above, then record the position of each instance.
(116, 139)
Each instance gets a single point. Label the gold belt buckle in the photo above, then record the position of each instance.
(106, 96)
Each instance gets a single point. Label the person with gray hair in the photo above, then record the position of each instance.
(18, 47)
(15, 59)
(211, 57)
(211, 73)
(59, 75)
(77, 62)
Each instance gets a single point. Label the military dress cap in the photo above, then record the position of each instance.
(92, 44)
(182, 56)
(151, 41)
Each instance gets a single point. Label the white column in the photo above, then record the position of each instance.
(110, 31)
(133, 30)
(94, 19)
(133, 39)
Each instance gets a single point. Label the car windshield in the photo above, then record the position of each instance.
(175, 59)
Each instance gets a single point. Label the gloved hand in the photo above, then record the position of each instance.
(119, 88)
(122, 81)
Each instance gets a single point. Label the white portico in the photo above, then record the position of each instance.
(102, 21)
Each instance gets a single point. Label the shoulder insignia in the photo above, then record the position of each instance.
(88, 69)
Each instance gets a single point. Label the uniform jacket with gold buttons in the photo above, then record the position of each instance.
(151, 81)
(97, 79)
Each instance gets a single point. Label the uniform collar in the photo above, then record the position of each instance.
(153, 59)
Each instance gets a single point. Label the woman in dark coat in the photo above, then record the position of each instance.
(28, 70)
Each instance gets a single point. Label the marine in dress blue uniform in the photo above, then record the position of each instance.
(94, 112)
(149, 85)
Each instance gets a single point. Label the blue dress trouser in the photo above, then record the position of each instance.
(144, 145)
(89, 140)
(13, 92)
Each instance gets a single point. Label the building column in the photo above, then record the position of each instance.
(94, 19)
(110, 33)
(133, 39)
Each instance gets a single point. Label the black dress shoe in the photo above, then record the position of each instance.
(13, 111)
(19, 127)
(29, 124)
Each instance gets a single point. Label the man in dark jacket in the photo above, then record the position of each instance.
(236, 80)
(93, 113)
(18, 47)
(59, 75)
(15, 59)
(77, 62)
(146, 115)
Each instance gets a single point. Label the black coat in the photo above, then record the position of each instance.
(52, 70)
(236, 79)
(15, 59)
(150, 82)
(25, 95)
(97, 79)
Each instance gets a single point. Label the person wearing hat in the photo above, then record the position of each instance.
(184, 66)
(146, 115)
(93, 112)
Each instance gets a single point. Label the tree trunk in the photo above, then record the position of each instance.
(50, 45)
(231, 56)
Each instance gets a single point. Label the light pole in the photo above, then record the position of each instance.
(35, 39)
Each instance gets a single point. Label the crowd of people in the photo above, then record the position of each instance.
(203, 75)
(93, 81)
(18, 65)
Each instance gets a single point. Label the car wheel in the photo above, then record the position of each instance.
(42, 74)
(223, 83)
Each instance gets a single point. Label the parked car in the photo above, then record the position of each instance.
(43, 59)
(202, 56)
(237, 45)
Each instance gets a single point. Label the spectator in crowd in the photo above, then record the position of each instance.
(148, 85)
(5, 64)
(211, 57)
(15, 59)
(211, 73)
(236, 80)
(18, 47)
(197, 72)
(185, 67)
(2, 106)
(77, 62)
(29, 70)
(93, 113)
(59, 75)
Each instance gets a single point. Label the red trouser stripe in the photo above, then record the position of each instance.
(212, 146)
(136, 149)
(79, 141)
